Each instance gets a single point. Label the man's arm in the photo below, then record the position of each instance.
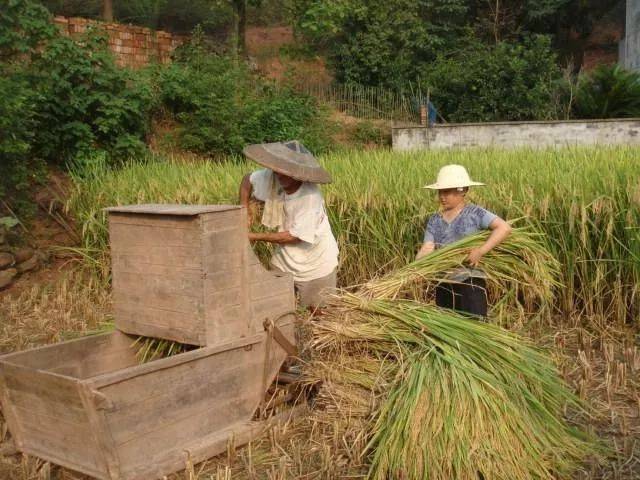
(273, 237)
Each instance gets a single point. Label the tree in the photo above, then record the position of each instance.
(107, 10)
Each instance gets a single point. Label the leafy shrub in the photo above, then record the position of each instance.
(17, 166)
(608, 92)
(221, 108)
(507, 81)
(85, 101)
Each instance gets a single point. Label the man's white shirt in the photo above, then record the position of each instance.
(305, 217)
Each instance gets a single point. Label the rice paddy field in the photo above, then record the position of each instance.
(577, 316)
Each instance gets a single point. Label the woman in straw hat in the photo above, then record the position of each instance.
(293, 205)
(466, 291)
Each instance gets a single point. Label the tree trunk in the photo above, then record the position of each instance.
(107, 10)
(240, 26)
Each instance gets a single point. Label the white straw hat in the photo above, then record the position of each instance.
(453, 176)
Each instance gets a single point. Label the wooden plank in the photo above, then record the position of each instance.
(201, 449)
(222, 262)
(101, 433)
(186, 302)
(226, 323)
(51, 355)
(165, 221)
(224, 241)
(130, 325)
(219, 280)
(68, 440)
(170, 362)
(8, 411)
(178, 283)
(206, 395)
(170, 209)
(216, 300)
(147, 235)
(40, 451)
(180, 257)
(54, 387)
(136, 264)
(213, 222)
(265, 287)
(43, 405)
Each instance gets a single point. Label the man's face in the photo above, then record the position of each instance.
(287, 183)
(450, 198)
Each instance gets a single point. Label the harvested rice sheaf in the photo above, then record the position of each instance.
(432, 394)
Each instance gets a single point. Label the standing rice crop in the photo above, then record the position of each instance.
(585, 202)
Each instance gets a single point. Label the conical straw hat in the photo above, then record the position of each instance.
(288, 158)
(453, 176)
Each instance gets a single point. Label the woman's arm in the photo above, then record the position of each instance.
(425, 249)
(499, 231)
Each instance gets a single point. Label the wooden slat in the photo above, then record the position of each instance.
(147, 235)
(179, 257)
(136, 264)
(170, 209)
(8, 411)
(209, 446)
(128, 324)
(218, 221)
(101, 432)
(36, 449)
(170, 362)
(165, 221)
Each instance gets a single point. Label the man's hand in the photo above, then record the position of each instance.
(425, 249)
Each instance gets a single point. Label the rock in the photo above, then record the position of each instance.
(6, 260)
(27, 265)
(6, 277)
(23, 254)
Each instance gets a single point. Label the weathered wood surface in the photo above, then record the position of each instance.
(191, 276)
(137, 421)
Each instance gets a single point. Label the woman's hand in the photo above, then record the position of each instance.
(474, 256)
(426, 249)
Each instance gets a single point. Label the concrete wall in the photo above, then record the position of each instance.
(632, 35)
(132, 46)
(518, 134)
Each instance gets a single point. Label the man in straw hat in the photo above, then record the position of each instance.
(293, 205)
(466, 291)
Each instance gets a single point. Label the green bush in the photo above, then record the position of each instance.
(507, 81)
(608, 92)
(220, 107)
(18, 168)
(86, 102)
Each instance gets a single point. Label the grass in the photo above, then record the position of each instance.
(585, 202)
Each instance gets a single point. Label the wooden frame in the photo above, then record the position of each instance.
(130, 421)
(187, 273)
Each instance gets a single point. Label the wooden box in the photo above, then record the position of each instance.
(88, 406)
(187, 273)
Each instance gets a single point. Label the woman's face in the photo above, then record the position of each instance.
(450, 198)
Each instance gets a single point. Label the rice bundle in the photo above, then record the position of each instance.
(419, 392)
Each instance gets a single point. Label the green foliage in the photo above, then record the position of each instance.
(381, 43)
(17, 126)
(608, 92)
(23, 26)
(85, 101)
(367, 133)
(221, 108)
(508, 81)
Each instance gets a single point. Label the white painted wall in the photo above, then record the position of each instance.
(519, 134)
(632, 36)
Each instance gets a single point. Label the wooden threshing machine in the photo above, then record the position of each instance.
(183, 273)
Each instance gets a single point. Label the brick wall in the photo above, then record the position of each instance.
(132, 46)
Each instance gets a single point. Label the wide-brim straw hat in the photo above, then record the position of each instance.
(453, 176)
(288, 158)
